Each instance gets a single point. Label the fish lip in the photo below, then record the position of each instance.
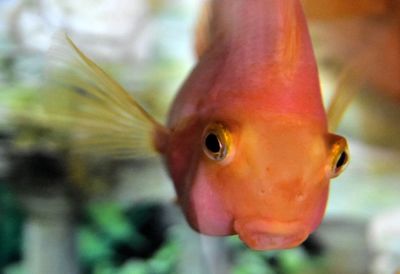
(270, 234)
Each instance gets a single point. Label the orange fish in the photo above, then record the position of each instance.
(246, 143)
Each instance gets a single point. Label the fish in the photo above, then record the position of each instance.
(246, 141)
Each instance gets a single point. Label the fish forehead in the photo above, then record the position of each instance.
(273, 140)
(262, 32)
(267, 150)
(214, 88)
(288, 153)
(246, 65)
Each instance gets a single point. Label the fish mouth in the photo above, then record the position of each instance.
(268, 235)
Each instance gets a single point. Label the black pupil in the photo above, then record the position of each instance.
(212, 143)
(342, 160)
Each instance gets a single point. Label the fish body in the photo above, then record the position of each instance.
(246, 142)
(259, 79)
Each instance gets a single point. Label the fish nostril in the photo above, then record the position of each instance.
(300, 197)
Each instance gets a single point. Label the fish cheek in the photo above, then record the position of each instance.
(208, 212)
(239, 183)
(319, 206)
(182, 156)
(313, 195)
(194, 183)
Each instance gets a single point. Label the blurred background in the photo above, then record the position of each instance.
(60, 213)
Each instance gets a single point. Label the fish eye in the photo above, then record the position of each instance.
(216, 142)
(340, 155)
(212, 143)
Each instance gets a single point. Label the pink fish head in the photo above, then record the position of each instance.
(271, 185)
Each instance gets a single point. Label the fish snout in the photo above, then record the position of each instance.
(262, 234)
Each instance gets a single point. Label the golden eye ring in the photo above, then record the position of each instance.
(340, 156)
(216, 141)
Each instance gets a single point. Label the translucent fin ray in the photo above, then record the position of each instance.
(349, 84)
(98, 114)
(343, 95)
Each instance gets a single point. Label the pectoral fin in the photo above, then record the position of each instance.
(99, 115)
(344, 93)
